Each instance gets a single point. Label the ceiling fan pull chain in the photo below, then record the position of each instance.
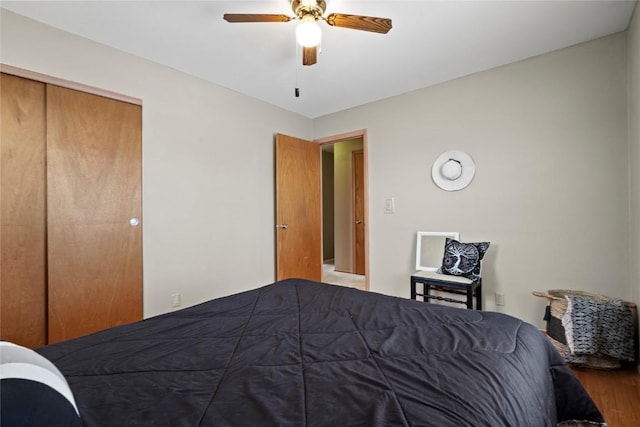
(297, 51)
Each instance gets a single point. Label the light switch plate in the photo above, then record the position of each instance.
(390, 205)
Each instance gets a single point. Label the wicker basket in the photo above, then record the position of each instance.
(558, 306)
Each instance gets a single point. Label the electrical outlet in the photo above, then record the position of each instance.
(499, 298)
(176, 300)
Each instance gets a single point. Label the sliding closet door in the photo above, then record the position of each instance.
(22, 202)
(94, 212)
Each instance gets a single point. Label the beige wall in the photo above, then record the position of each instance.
(633, 46)
(549, 138)
(207, 176)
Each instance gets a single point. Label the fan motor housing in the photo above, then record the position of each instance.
(301, 10)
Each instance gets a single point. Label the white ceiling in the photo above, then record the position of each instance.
(430, 42)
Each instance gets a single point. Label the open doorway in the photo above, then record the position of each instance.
(343, 216)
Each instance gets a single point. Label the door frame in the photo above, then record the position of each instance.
(362, 133)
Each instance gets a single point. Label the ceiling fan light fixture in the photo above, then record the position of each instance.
(308, 33)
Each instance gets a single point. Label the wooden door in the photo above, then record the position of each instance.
(358, 211)
(93, 191)
(298, 215)
(23, 221)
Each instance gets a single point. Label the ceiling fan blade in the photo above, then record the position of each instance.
(259, 17)
(309, 55)
(357, 22)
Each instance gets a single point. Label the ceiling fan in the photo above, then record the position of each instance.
(309, 12)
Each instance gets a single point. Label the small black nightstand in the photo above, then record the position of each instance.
(451, 284)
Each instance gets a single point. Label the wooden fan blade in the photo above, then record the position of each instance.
(248, 17)
(356, 22)
(309, 55)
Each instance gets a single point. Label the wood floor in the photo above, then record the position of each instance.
(615, 392)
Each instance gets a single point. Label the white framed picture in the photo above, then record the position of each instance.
(430, 248)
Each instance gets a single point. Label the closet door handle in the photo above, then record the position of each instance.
(283, 226)
(134, 222)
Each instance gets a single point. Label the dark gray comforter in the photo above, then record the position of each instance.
(300, 353)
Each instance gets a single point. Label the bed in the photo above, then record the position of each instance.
(301, 353)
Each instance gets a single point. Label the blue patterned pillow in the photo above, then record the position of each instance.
(463, 259)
